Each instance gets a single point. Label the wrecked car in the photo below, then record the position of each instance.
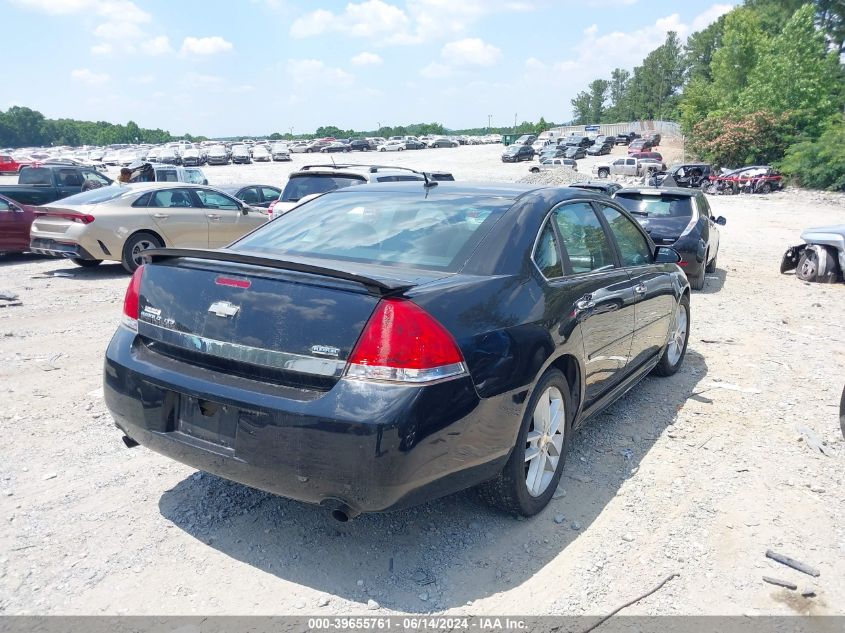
(821, 258)
(688, 175)
(755, 179)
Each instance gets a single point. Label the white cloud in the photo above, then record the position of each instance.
(436, 71)
(145, 79)
(122, 31)
(705, 19)
(156, 46)
(534, 64)
(200, 80)
(386, 23)
(471, 51)
(88, 76)
(365, 59)
(205, 45)
(366, 19)
(314, 71)
(101, 49)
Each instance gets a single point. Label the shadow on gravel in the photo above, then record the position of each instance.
(103, 271)
(714, 282)
(15, 259)
(447, 552)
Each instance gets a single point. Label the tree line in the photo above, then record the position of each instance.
(24, 127)
(762, 84)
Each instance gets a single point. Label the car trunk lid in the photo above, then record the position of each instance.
(286, 322)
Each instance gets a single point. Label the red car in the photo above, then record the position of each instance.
(755, 179)
(15, 222)
(8, 164)
(654, 155)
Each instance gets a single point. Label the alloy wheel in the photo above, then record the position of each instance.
(678, 336)
(544, 442)
(138, 250)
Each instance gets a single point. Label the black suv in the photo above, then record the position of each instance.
(681, 219)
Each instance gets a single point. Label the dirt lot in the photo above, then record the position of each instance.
(697, 474)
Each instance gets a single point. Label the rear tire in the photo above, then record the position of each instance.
(697, 282)
(547, 437)
(86, 263)
(133, 247)
(676, 347)
(711, 266)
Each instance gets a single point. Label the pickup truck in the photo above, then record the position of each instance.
(47, 183)
(627, 167)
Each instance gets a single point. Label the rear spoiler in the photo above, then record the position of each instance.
(374, 286)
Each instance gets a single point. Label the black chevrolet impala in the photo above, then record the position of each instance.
(383, 345)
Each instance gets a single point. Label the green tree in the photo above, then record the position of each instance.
(598, 96)
(581, 108)
(699, 49)
(796, 73)
(819, 163)
(743, 41)
(618, 110)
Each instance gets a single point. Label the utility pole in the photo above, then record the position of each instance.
(489, 117)
(514, 121)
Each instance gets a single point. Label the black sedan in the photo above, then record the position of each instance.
(253, 195)
(413, 143)
(383, 345)
(600, 149)
(443, 142)
(575, 152)
(334, 147)
(680, 218)
(516, 153)
(558, 151)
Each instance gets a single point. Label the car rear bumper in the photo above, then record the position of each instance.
(56, 248)
(364, 446)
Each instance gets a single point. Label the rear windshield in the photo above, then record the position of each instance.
(664, 206)
(35, 176)
(436, 234)
(300, 186)
(96, 196)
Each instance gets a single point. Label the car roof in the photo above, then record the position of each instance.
(652, 191)
(239, 186)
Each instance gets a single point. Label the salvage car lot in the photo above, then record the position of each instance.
(703, 484)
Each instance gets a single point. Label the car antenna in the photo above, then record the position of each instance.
(334, 164)
(428, 182)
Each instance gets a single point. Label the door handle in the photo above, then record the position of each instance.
(213, 216)
(586, 303)
(160, 216)
(640, 289)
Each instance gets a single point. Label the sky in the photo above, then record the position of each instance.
(252, 67)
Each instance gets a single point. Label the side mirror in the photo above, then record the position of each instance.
(666, 255)
(205, 181)
(721, 221)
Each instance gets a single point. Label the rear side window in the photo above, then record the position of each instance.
(270, 193)
(546, 253)
(171, 198)
(4, 206)
(167, 175)
(404, 230)
(584, 239)
(661, 206)
(35, 176)
(300, 186)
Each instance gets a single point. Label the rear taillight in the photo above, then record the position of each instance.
(131, 300)
(403, 343)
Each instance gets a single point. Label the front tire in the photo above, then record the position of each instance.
(532, 473)
(603, 173)
(817, 265)
(676, 346)
(697, 282)
(134, 247)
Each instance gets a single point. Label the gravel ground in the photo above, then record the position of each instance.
(697, 474)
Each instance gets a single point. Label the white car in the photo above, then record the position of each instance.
(298, 148)
(260, 154)
(554, 163)
(280, 151)
(392, 146)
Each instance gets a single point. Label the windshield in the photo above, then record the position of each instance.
(96, 196)
(194, 176)
(301, 186)
(664, 206)
(435, 234)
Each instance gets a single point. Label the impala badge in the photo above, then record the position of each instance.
(224, 309)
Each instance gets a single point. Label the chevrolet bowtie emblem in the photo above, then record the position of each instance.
(223, 309)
